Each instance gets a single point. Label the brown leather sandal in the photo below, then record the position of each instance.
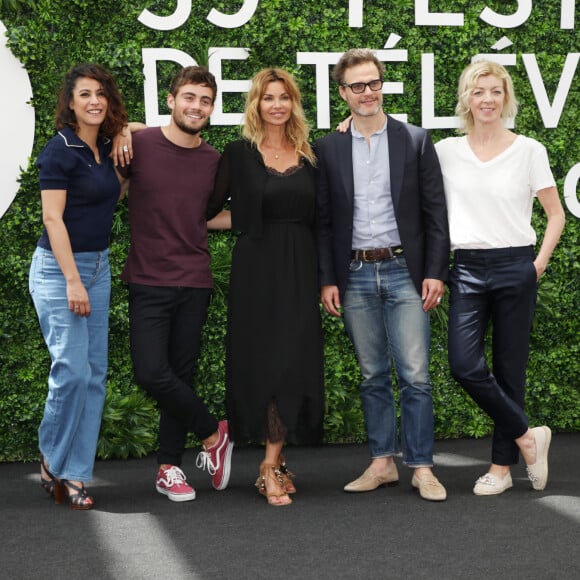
(271, 476)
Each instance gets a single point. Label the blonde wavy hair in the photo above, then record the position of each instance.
(296, 129)
(468, 81)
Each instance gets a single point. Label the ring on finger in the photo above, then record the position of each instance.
(125, 149)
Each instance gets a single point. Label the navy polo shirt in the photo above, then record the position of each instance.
(92, 189)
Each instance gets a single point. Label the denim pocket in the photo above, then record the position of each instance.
(400, 260)
(355, 265)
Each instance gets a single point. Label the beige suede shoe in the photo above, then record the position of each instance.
(429, 487)
(370, 479)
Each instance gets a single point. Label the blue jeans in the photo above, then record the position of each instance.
(78, 348)
(384, 318)
(497, 286)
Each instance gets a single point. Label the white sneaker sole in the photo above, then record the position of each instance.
(176, 496)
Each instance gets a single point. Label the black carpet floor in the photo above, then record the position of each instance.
(135, 533)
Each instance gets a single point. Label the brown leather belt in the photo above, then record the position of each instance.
(376, 254)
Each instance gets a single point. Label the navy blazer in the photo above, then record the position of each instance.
(418, 199)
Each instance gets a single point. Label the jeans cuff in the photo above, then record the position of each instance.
(385, 455)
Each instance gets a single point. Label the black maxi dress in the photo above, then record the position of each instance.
(274, 340)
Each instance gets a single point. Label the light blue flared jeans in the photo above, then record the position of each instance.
(78, 348)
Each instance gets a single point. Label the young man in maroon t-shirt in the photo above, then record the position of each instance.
(168, 271)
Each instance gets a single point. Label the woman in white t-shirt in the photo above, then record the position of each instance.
(491, 176)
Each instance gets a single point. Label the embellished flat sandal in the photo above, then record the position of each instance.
(270, 484)
(286, 475)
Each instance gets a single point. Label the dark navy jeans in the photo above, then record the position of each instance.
(496, 286)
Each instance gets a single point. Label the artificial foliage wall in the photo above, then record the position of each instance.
(425, 46)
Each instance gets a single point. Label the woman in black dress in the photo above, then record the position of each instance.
(275, 390)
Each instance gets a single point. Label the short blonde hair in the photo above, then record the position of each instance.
(468, 81)
(297, 129)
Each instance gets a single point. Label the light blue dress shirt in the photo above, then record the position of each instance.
(374, 222)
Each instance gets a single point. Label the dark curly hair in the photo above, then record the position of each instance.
(116, 117)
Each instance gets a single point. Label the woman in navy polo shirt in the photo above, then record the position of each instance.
(70, 279)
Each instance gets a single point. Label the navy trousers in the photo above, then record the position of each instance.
(496, 286)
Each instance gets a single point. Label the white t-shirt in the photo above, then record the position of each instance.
(490, 203)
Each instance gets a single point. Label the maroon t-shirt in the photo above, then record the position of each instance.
(168, 194)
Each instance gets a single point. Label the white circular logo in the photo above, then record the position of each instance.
(16, 123)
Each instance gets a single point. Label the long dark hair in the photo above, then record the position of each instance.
(116, 117)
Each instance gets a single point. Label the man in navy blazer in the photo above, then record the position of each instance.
(383, 258)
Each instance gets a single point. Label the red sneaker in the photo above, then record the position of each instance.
(171, 482)
(218, 458)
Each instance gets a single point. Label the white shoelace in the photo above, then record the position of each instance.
(174, 475)
(204, 461)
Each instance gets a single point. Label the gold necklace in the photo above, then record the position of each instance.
(275, 154)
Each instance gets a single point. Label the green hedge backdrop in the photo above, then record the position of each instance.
(51, 35)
